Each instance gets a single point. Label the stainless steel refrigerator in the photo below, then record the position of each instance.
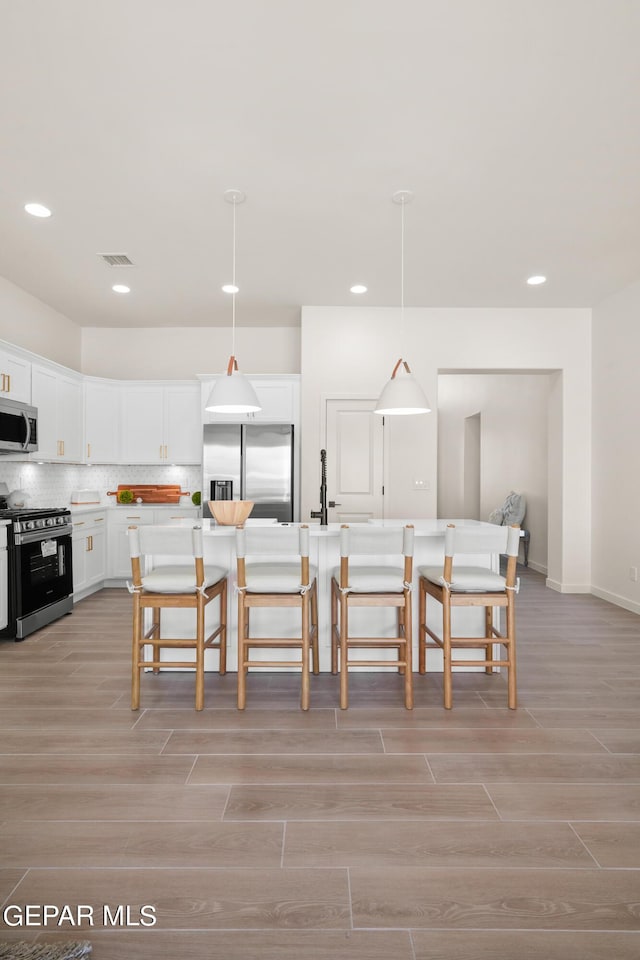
(250, 461)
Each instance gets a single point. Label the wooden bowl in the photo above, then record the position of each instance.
(231, 513)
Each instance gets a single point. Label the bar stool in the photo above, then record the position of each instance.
(372, 585)
(274, 581)
(177, 586)
(472, 586)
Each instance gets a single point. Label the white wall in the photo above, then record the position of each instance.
(351, 351)
(179, 353)
(514, 442)
(616, 447)
(31, 324)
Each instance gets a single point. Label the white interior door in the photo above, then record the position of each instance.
(355, 460)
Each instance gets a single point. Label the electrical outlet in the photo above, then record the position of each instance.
(421, 485)
(633, 574)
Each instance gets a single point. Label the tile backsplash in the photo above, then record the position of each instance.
(50, 484)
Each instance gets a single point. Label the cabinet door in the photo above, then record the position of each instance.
(118, 557)
(59, 402)
(276, 400)
(96, 555)
(79, 559)
(15, 378)
(69, 417)
(101, 422)
(182, 424)
(143, 424)
(44, 392)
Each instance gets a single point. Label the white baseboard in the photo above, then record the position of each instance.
(568, 587)
(616, 599)
(538, 567)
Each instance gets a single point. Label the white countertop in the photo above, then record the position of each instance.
(424, 527)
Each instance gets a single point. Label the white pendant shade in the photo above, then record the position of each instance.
(402, 395)
(232, 393)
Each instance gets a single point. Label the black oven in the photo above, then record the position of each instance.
(40, 569)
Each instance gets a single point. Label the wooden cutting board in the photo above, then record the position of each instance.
(151, 493)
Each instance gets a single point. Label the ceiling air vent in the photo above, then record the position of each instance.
(116, 259)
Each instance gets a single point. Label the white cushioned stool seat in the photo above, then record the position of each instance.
(374, 579)
(177, 578)
(276, 577)
(467, 579)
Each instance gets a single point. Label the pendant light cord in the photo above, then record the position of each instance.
(402, 279)
(233, 280)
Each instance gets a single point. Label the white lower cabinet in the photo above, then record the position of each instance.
(121, 518)
(89, 553)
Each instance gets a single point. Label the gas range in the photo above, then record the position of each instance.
(35, 518)
(40, 571)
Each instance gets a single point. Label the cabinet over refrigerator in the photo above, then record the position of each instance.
(250, 461)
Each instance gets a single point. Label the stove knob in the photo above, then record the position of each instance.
(49, 522)
(30, 525)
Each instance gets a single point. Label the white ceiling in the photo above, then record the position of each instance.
(515, 123)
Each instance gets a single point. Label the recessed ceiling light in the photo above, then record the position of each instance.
(230, 288)
(534, 281)
(37, 210)
(120, 288)
(358, 288)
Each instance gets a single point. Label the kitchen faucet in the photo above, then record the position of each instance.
(322, 513)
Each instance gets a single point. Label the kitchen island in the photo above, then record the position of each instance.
(219, 548)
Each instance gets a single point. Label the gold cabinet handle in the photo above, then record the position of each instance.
(8, 383)
(63, 448)
(2, 390)
(88, 451)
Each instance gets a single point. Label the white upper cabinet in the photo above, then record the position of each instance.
(101, 421)
(182, 424)
(161, 423)
(58, 398)
(278, 397)
(15, 377)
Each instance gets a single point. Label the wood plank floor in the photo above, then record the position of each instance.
(370, 834)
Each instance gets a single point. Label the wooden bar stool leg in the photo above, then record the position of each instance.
(488, 623)
(512, 696)
(135, 653)
(199, 652)
(408, 653)
(400, 630)
(422, 634)
(242, 655)
(344, 663)
(314, 625)
(446, 650)
(334, 628)
(223, 629)
(305, 689)
(156, 635)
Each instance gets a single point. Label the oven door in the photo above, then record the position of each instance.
(42, 569)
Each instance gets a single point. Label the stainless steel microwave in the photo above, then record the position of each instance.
(18, 427)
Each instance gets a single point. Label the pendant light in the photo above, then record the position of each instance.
(402, 395)
(233, 393)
